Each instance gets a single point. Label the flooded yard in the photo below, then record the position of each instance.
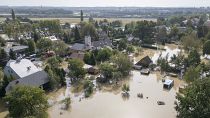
(108, 102)
(112, 105)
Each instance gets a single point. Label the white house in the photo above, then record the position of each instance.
(25, 73)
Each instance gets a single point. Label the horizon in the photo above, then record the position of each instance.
(106, 3)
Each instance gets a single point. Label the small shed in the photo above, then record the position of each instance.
(144, 62)
(168, 84)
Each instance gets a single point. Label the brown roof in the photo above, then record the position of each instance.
(77, 56)
(144, 62)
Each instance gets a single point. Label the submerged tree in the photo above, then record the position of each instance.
(125, 88)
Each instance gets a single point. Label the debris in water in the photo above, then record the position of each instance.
(160, 103)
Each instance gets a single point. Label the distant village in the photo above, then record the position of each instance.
(50, 55)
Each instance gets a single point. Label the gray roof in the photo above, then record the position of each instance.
(20, 67)
(16, 48)
(102, 43)
(37, 79)
(78, 47)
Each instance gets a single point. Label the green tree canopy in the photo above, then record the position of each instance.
(107, 70)
(81, 16)
(194, 58)
(89, 29)
(206, 47)
(130, 49)
(44, 44)
(190, 42)
(195, 100)
(59, 47)
(192, 74)
(76, 68)
(31, 46)
(104, 54)
(76, 34)
(27, 102)
(13, 14)
(122, 45)
(123, 63)
(144, 30)
(12, 54)
(89, 58)
(52, 25)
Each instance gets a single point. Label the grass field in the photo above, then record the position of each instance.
(77, 20)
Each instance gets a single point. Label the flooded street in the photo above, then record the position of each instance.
(109, 105)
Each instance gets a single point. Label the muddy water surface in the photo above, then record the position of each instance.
(109, 105)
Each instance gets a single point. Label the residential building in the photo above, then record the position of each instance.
(25, 73)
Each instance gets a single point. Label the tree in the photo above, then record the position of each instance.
(59, 47)
(1, 78)
(89, 30)
(89, 58)
(53, 26)
(194, 58)
(31, 46)
(122, 45)
(206, 47)
(56, 74)
(107, 70)
(12, 54)
(195, 100)
(53, 61)
(103, 54)
(67, 102)
(88, 86)
(163, 63)
(13, 15)
(44, 44)
(125, 88)
(2, 42)
(27, 102)
(174, 32)
(130, 49)
(3, 57)
(76, 34)
(81, 16)
(144, 30)
(190, 42)
(76, 69)
(192, 74)
(162, 35)
(208, 36)
(66, 37)
(123, 63)
(53, 78)
(117, 75)
(36, 36)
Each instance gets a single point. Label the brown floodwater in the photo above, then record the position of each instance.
(105, 104)
(109, 103)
